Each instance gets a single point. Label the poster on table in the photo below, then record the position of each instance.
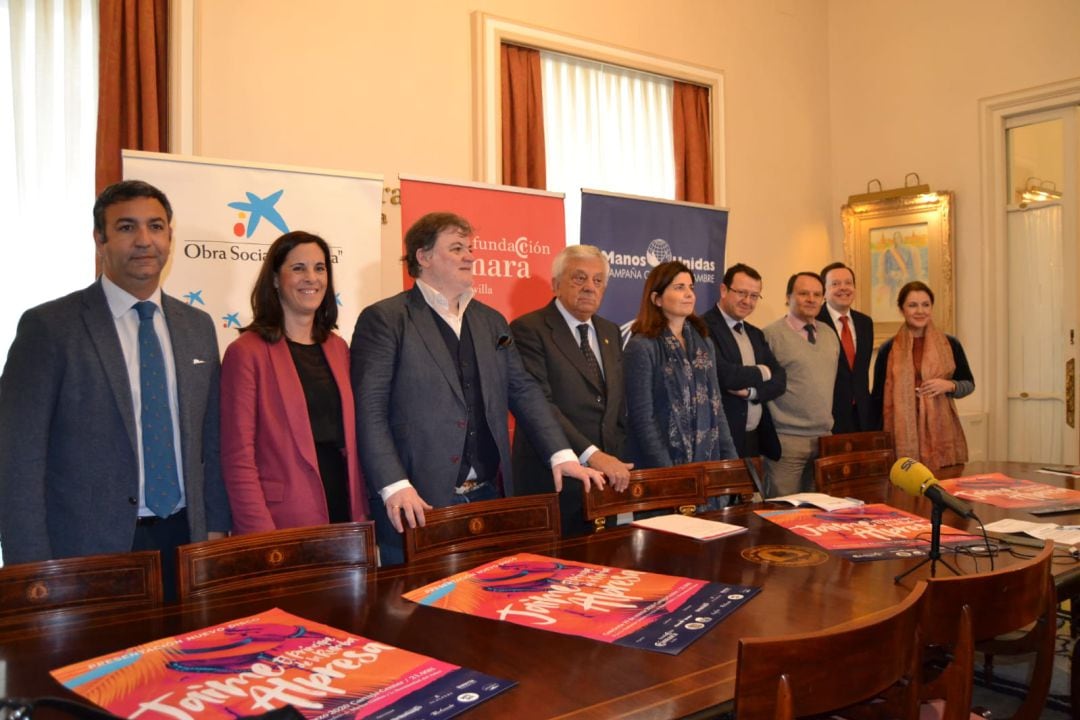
(267, 661)
(1005, 492)
(867, 532)
(517, 232)
(226, 215)
(630, 608)
(637, 234)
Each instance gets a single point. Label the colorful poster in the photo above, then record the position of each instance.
(631, 608)
(637, 234)
(517, 234)
(1006, 492)
(869, 527)
(226, 214)
(266, 661)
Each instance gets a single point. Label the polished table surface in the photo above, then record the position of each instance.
(557, 675)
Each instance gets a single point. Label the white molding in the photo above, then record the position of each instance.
(994, 112)
(489, 32)
(182, 76)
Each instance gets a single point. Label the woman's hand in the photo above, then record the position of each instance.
(935, 387)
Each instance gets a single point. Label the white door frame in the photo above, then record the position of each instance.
(993, 113)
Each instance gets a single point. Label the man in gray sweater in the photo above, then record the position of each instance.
(808, 351)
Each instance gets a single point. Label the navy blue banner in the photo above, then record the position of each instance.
(637, 234)
(698, 615)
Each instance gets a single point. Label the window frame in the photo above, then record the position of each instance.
(490, 31)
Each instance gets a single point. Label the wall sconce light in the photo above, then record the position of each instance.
(1037, 190)
(918, 188)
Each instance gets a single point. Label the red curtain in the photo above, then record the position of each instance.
(693, 159)
(523, 162)
(132, 82)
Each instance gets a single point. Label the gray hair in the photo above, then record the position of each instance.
(577, 252)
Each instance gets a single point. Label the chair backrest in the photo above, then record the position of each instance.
(242, 561)
(80, 585)
(731, 477)
(853, 473)
(855, 442)
(681, 486)
(1000, 602)
(870, 658)
(487, 524)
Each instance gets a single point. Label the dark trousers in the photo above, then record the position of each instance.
(751, 445)
(164, 535)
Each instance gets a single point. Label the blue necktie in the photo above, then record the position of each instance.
(160, 488)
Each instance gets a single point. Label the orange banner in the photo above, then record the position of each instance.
(517, 234)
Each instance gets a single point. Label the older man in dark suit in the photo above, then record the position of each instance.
(434, 372)
(748, 372)
(576, 357)
(109, 406)
(851, 408)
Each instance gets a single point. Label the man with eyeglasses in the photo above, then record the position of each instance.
(748, 372)
(851, 393)
(576, 356)
(808, 351)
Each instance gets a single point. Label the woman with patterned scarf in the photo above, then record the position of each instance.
(672, 395)
(917, 378)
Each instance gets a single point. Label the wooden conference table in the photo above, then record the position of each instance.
(558, 675)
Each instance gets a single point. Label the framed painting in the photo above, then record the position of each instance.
(893, 241)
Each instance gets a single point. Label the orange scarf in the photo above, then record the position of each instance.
(926, 428)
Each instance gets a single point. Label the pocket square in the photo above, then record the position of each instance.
(197, 361)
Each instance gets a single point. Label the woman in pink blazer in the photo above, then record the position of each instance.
(288, 430)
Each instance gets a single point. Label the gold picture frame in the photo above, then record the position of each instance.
(892, 241)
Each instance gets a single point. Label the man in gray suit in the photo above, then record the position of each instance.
(83, 470)
(434, 372)
(576, 356)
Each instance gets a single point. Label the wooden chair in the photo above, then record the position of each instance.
(731, 477)
(999, 603)
(682, 487)
(487, 524)
(237, 563)
(853, 474)
(855, 442)
(875, 658)
(30, 592)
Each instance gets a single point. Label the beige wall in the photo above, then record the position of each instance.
(905, 80)
(386, 87)
(821, 96)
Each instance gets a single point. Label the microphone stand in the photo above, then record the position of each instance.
(934, 556)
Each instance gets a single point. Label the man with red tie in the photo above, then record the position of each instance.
(851, 391)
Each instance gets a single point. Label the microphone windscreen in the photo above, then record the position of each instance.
(911, 476)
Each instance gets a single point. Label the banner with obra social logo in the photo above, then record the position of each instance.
(226, 214)
(517, 232)
(637, 234)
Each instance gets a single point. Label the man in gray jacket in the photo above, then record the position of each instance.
(109, 406)
(434, 372)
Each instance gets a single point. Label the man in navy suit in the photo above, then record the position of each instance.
(851, 392)
(576, 356)
(434, 373)
(76, 446)
(748, 372)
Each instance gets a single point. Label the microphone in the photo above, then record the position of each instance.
(914, 478)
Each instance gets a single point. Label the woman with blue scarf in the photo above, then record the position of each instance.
(672, 395)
